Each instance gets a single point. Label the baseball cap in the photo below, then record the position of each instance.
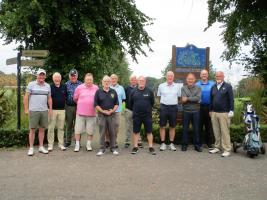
(41, 71)
(73, 72)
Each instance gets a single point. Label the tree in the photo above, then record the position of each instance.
(244, 24)
(84, 34)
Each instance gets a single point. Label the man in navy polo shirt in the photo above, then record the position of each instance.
(205, 84)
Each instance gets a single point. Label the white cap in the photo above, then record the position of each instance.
(41, 71)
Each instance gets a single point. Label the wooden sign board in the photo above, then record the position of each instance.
(32, 63)
(35, 53)
(11, 61)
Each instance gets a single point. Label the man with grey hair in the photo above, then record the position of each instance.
(36, 99)
(71, 106)
(221, 111)
(58, 94)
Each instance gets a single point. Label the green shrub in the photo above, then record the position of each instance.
(6, 106)
(9, 137)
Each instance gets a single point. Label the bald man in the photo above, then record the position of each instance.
(221, 110)
(205, 121)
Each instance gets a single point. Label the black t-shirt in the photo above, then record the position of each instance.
(128, 91)
(58, 95)
(106, 100)
(142, 101)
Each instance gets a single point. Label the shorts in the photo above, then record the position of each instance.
(168, 113)
(139, 120)
(38, 119)
(85, 124)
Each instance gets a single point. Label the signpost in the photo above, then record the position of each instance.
(17, 60)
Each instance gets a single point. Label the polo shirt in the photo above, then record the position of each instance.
(58, 95)
(121, 95)
(128, 91)
(84, 97)
(106, 99)
(70, 92)
(38, 96)
(205, 91)
(169, 93)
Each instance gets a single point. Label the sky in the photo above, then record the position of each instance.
(176, 22)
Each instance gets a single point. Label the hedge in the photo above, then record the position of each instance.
(9, 138)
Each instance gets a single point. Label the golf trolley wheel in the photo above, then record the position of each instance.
(263, 149)
(234, 147)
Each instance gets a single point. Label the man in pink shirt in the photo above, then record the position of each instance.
(85, 115)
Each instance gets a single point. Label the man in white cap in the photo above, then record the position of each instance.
(36, 99)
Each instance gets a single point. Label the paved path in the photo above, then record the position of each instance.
(168, 175)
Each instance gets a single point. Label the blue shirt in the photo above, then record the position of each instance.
(70, 92)
(169, 93)
(205, 91)
(121, 95)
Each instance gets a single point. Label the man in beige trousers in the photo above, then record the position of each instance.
(221, 110)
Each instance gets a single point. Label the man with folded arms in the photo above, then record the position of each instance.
(36, 99)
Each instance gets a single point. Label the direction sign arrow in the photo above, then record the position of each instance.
(11, 61)
(32, 63)
(35, 53)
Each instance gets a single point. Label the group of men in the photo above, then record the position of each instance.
(83, 106)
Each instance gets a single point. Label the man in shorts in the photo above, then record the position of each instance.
(36, 99)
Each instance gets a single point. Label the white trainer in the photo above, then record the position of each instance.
(162, 147)
(215, 150)
(77, 148)
(30, 152)
(50, 147)
(89, 147)
(225, 154)
(172, 147)
(115, 152)
(61, 147)
(43, 150)
(100, 152)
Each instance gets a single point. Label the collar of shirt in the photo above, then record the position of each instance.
(170, 85)
(219, 85)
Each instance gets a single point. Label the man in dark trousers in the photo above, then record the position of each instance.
(142, 101)
(221, 110)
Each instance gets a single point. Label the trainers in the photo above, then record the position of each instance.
(43, 150)
(89, 147)
(30, 152)
(115, 152)
(126, 145)
(140, 145)
(100, 152)
(215, 150)
(62, 148)
(50, 148)
(162, 147)
(135, 150)
(172, 147)
(152, 151)
(225, 154)
(77, 148)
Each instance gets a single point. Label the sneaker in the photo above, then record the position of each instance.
(162, 147)
(225, 154)
(89, 147)
(50, 148)
(30, 152)
(135, 150)
(77, 148)
(126, 145)
(140, 145)
(100, 152)
(152, 151)
(43, 150)
(61, 147)
(172, 147)
(215, 150)
(115, 152)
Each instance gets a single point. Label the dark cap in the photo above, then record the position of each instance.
(73, 72)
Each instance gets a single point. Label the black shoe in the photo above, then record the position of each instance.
(126, 145)
(67, 144)
(140, 145)
(152, 151)
(184, 148)
(135, 150)
(198, 148)
(107, 144)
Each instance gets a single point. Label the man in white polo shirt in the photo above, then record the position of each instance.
(36, 99)
(168, 93)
